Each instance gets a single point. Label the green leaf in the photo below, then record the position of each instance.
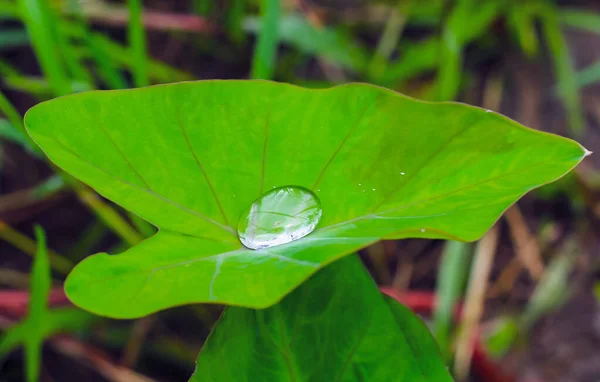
(335, 327)
(190, 158)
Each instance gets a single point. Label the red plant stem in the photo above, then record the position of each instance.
(151, 19)
(15, 303)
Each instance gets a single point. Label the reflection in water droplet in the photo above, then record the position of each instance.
(280, 216)
(402, 173)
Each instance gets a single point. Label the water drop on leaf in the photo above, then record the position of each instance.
(280, 216)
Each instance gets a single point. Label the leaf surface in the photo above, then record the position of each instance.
(190, 158)
(335, 327)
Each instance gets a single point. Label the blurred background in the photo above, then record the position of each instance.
(528, 290)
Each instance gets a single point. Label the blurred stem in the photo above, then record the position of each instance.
(11, 113)
(14, 279)
(475, 298)
(145, 228)
(563, 68)
(135, 343)
(108, 215)
(263, 62)
(90, 237)
(387, 43)
(451, 281)
(137, 43)
(58, 262)
(15, 120)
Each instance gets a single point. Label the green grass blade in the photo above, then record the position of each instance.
(12, 38)
(203, 7)
(11, 113)
(38, 87)
(387, 43)
(563, 68)
(137, 43)
(107, 70)
(37, 17)
(467, 22)
(451, 282)
(9, 10)
(416, 59)
(40, 276)
(25, 244)
(38, 307)
(15, 130)
(235, 15)
(521, 20)
(121, 55)
(450, 67)
(10, 133)
(588, 76)
(587, 20)
(73, 62)
(56, 321)
(88, 240)
(145, 228)
(263, 62)
(551, 291)
(332, 44)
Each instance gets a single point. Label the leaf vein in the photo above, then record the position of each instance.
(434, 155)
(147, 190)
(199, 164)
(339, 148)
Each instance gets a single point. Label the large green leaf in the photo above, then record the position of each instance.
(335, 327)
(190, 158)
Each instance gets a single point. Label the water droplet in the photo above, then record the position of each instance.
(278, 217)
(402, 173)
(422, 229)
(489, 111)
(587, 152)
(360, 184)
(373, 189)
(318, 189)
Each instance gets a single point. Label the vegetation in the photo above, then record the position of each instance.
(190, 158)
